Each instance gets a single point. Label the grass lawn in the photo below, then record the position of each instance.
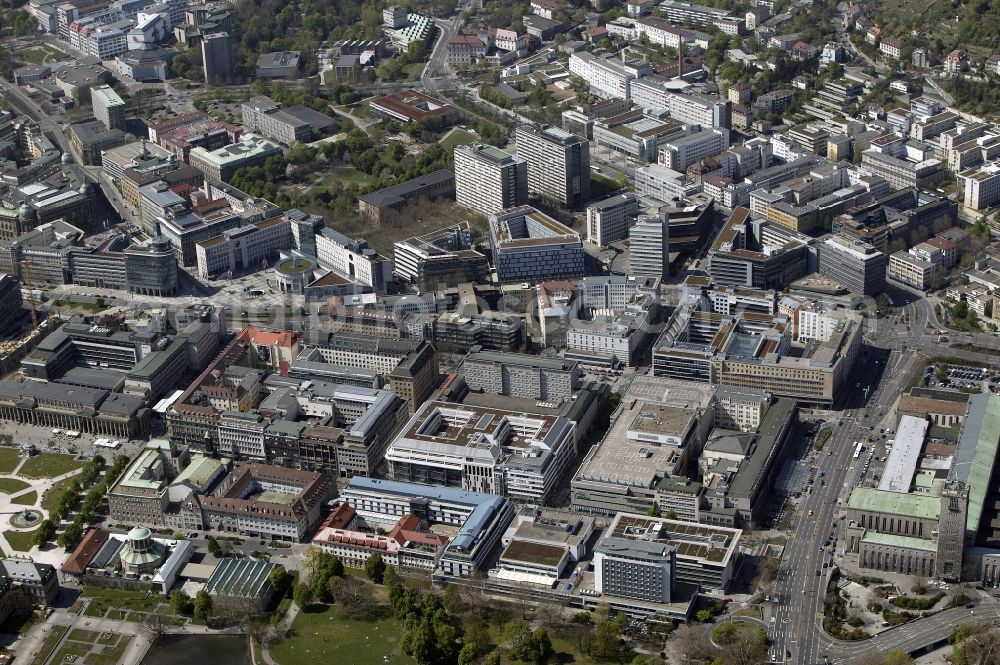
(457, 137)
(328, 635)
(122, 602)
(29, 499)
(51, 497)
(49, 465)
(22, 541)
(48, 645)
(12, 485)
(8, 460)
(40, 54)
(602, 186)
(347, 175)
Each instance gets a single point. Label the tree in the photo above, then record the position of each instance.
(352, 593)
(303, 595)
(180, 603)
(202, 606)
(213, 546)
(542, 644)
(520, 642)
(375, 568)
(70, 536)
(46, 530)
(279, 579)
(607, 632)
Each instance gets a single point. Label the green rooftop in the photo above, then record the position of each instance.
(199, 472)
(924, 506)
(909, 542)
(984, 457)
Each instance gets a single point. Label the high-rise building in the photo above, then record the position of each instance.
(558, 164)
(608, 220)
(489, 180)
(855, 265)
(108, 107)
(649, 246)
(216, 58)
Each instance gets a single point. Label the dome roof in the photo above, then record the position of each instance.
(67, 158)
(139, 533)
(84, 188)
(26, 210)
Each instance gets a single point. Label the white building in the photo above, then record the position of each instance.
(489, 180)
(981, 187)
(352, 259)
(680, 153)
(649, 247)
(608, 77)
(609, 220)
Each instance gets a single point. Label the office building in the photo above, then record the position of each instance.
(440, 258)
(489, 180)
(265, 117)
(151, 268)
(408, 106)
(243, 248)
(858, 267)
(517, 455)
(609, 220)
(607, 77)
(92, 138)
(662, 183)
(649, 246)
(558, 165)
(689, 226)
(529, 246)
(108, 107)
(644, 558)
(521, 375)
(636, 133)
(216, 58)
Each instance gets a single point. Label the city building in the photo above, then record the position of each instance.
(517, 455)
(108, 107)
(477, 520)
(352, 259)
(135, 561)
(681, 152)
(911, 270)
(377, 204)
(489, 180)
(440, 258)
(854, 265)
(243, 248)
(222, 163)
(636, 133)
(757, 254)
(558, 165)
(278, 65)
(92, 138)
(649, 246)
(413, 106)
(609, 220)
(980, 187)
(521, 375)
(216, 58)
(529, 246)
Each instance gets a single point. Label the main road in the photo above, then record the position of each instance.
(894, 347)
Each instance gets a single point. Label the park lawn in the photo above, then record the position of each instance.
(9, 459)
(29, 499)
(326, 634)
(457, 137)
(49, 465)
(51, 497)
(40, 54)
(12, 485)
(414, 70)
(347, 175)
(22, 541)
(103, 599)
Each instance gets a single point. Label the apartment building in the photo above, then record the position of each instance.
(681, 152)
(649, 246)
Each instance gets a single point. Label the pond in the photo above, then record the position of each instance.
(187, 649)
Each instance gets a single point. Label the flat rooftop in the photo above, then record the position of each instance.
(708, 544)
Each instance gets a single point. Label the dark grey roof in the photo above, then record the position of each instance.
(92, 377)
(398, 193)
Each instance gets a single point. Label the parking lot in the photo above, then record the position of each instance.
(960, 377)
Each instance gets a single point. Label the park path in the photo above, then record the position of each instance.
(281, 629)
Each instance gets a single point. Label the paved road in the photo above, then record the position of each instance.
(27, 106)
(435, 74)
